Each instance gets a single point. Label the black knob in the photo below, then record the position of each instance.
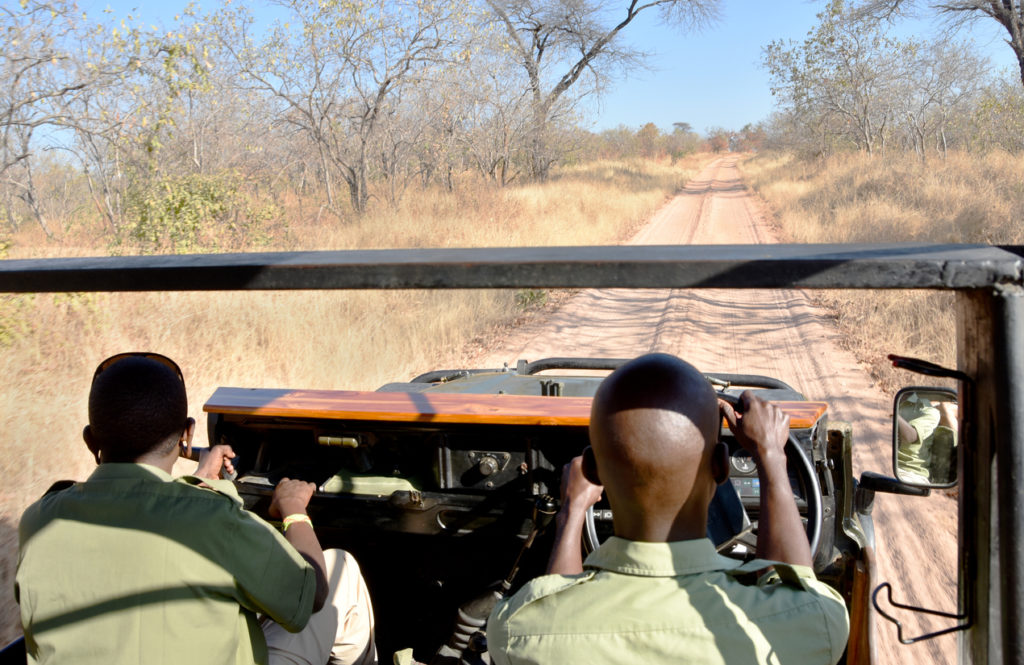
(544, 509)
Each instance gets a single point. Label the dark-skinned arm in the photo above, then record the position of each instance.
(213, 461)
(578, 494)
(762, 429)
(291, 498)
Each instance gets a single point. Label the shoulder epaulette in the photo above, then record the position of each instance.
(223, 487)
(751, 571)
(59, 486)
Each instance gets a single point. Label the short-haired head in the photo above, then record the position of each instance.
(654, 429)
(137, 406)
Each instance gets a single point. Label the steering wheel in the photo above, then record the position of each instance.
(797, 459)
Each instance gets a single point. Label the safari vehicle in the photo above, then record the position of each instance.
(434, 484)
(442, 484)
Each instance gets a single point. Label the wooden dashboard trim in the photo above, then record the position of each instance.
(438, 408)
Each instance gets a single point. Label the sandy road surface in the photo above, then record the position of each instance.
(774, 332)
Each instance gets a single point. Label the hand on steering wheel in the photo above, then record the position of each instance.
(761, 436)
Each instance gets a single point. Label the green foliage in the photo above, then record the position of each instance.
(999, 118)
(14, 314)
(194, 213)
(528, 299)
(15, 319)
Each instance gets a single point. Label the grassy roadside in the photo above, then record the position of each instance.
(356, 340)
(966, 198)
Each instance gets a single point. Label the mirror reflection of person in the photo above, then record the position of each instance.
(657, 591)
(132, 566)
(926, 433)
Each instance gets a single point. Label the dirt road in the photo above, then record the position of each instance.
(778, 333)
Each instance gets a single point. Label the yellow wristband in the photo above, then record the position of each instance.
(292, 519)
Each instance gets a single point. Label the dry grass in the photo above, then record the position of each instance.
(965, 198)
(356, 340)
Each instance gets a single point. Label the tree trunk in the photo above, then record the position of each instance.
(539, 163)
(327, 177)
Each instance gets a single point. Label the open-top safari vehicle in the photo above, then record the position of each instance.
(434, 484)
(438, 484)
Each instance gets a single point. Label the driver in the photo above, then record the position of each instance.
(657, 592)
(132, 566)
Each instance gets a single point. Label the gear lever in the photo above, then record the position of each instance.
(472, 615)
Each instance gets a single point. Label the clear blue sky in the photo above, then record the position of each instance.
(714, 78)
(710, 78)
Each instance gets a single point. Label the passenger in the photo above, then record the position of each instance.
(657, 592)
(916, 420)
(132, 566)
(927, 439)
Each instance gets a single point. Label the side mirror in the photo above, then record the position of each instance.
(925, 435)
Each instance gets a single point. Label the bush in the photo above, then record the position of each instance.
(195, 212)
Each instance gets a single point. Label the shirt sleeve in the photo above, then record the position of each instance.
(830, 603)
(270, 574)
(271, 577)
(497, 632)
(925, 423)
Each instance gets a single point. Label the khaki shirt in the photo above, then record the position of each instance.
(924, 418)
(134, 567)
(676, 602)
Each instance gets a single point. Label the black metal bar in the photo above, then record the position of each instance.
(918, 610)
(439, 375)
(751, 381)
(546, 364)
(1009, 358)
(914, 266)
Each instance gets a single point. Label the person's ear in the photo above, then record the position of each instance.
(186, 436)
(90, 442)
(590, 466)
(720, 463)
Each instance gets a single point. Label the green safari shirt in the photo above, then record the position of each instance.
(132, 566)
(924, 418)
(678, 602)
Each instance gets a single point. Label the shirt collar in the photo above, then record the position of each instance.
(129, 471)
(681, 557)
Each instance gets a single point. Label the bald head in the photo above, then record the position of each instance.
(654, 428)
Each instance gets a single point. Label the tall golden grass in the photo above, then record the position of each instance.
(355, 340)
(894, 197)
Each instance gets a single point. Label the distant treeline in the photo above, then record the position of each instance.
(852, 85)
(150, 131)
(147, 135)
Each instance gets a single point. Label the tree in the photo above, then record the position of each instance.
(648, 140)
(750, 138)
(337, 71)
(682, 141)
(43, 71)
(1009, 14)
(719, 139)
(557, 43)
(97, 91)
(998, 117)
(940, 79)
(843, 70)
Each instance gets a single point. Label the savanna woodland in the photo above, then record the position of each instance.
(336, 124)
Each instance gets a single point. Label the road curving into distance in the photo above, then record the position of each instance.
(779, 333)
